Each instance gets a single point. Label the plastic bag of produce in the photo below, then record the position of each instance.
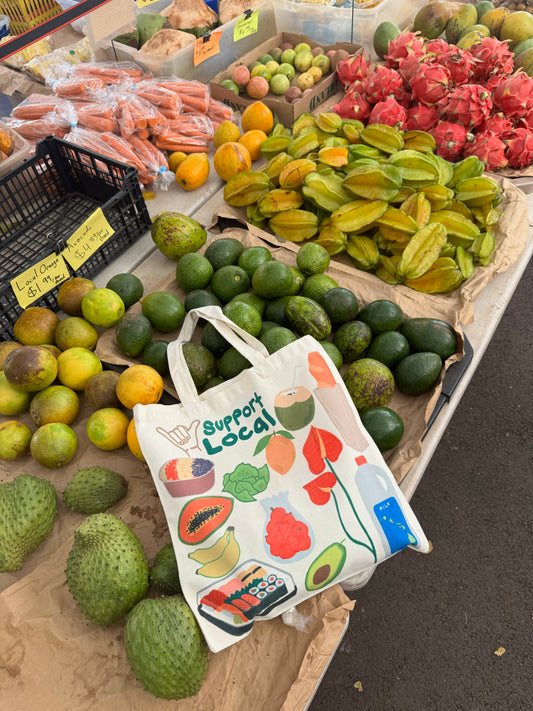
(271, 487)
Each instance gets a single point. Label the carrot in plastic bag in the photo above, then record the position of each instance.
(29, 110)
(193, 94)
(93, 141)
(50, 124)
(158, 95)
(123, 148)
(108, 72)
(77, 88)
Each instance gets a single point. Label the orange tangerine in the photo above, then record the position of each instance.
(133, 442)
(53, 444)
(253, 139)
(257, 115)
(76, 365)
(107, 427)
(139, 384)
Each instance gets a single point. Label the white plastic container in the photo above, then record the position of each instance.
(356, 23)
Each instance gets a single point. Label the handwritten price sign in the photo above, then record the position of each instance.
(87, 239)
(39, 279)
(206, 46)
(246, 25)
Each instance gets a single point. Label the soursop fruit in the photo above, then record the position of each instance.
(107, 571)
(164, 573)
(94, 490)
(166, 648)
(27, 512)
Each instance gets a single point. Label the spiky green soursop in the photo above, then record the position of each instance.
(164, 573)
(166, 648)
(94, 490)
(27, 512)
(107, 571)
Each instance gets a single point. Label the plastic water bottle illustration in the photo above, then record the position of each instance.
(378, 495)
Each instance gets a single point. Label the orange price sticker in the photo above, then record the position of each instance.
(206, 46)
(246, 25)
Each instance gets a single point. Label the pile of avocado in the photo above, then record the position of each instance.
(374, 347)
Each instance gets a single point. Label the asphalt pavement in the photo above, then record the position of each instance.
(451, 630)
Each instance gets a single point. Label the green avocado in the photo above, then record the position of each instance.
(307, 317)
(325, 567)
(430, 334)
(133, 333)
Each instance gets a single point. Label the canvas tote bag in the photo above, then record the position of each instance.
(271, 487)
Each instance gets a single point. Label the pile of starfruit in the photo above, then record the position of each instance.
(378, 193)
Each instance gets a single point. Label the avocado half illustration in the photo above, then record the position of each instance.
(325, 567)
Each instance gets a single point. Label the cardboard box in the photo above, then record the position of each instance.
(285, 112)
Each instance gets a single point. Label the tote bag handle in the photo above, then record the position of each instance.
(248, 346)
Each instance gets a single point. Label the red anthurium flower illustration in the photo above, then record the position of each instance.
(319, 446)
(319, 489)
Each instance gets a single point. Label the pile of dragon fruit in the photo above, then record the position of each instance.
(471, 101)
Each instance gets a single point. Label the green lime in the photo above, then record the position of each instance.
(275, 311)
(316, 285)
(223, 251)
(312, 258)
(381, 315)
(340, 305)
(297, 281)
(252, 257)
(200, 297)
(248, 297)
(244, 315)
(213, 341)
(228, 281)
(384, 426)
(193, 271)
(128, 286)
(200, 361)
(333, 352)
(272, 279)
(232, 363)
(155, 355)
(132, 333)
(389, 348)
(165, 310)
(277, 337)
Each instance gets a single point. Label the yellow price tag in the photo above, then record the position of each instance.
(246, 25)
(206, 46)
(42, 277)
(144, 3)
(87, 239)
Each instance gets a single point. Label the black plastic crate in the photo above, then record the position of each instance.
(46, 199)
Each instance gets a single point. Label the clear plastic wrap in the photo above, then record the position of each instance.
(136, 115)
(51, 124)
(82, 89)
(109, 72)
(190, 134)
(193, 94)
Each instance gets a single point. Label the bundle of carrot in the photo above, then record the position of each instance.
(108, 72)
(50, 124)
(168, 102)
(137, 115)
(35, 106)
(186, 133)
(82, 89)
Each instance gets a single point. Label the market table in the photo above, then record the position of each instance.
(150, 265)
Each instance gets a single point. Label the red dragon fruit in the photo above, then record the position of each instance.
(353, 68)
(406, 44)
(353, 106)
(489, 148)
(526, 121)
(514, 95)
(457, 61)
(519, 149)
(431, 84)
(451, 139)
(389, 112)
(497, 123)
(382, 82)
(469, 105)
(421, 118)
(407, 68)
(495, 59)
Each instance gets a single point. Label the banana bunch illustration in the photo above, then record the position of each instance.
(220, 558)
